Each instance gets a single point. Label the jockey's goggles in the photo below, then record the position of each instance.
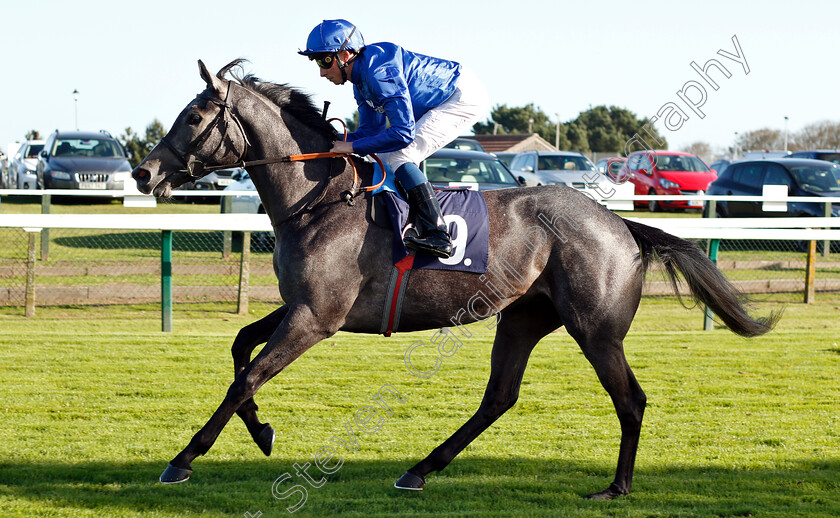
(324, 61)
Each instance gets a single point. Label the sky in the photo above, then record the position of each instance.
(134, 62)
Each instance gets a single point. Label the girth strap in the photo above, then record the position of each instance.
(396, 292)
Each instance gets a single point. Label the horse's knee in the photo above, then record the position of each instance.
(495, 405)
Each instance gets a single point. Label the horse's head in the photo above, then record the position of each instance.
(205, 136)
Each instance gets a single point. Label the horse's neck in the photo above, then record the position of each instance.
(287, 189)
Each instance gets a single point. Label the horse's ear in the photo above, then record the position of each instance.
(212, 81)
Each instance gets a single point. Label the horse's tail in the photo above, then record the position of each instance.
(706, 282)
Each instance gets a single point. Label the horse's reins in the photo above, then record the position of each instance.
(193, 166)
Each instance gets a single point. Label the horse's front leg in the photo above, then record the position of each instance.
(298, 331)
(248, 338)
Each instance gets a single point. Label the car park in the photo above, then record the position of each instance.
(506, 157)
(248, 204)
(829, 155)
(214, 181)
(614, 168)
(465, 143)
(82, 160)
(463, 168)
(668, 173)
(719, 166)
(23, 166)
(801, 176)
(556, 167)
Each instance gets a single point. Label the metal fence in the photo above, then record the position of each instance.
(72, 266)
(85, 267)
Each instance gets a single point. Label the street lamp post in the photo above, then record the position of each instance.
(786, 140)
(557, 132)
(76, 105)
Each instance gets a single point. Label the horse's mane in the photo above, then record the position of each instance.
(294, 101)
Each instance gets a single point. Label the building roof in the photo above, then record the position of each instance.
(513, 142)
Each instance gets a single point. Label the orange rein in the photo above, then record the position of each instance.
(330, 154)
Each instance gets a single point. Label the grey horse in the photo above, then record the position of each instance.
(556, 258)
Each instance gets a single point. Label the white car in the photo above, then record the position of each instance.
(24, 164)
(563, 167)
(249, 203)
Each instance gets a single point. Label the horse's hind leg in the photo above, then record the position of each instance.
(248, 338)
(519, 330)
(606, 354)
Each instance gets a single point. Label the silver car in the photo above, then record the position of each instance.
(249, 203)
(24, 164)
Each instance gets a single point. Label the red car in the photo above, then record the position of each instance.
(668, 173)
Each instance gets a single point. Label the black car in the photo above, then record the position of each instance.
(829, 155)
(463, 168)
(803, 177)
(82, 160)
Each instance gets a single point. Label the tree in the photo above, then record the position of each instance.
(817, 135)
(599, 129)
(701, 149)
(527, 119)
(764, 138)
(33, 135)
(609, 129)
(138, 147)
(352, 124)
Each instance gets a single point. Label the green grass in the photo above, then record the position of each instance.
(95, 401)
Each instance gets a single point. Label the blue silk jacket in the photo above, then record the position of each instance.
(394, 85)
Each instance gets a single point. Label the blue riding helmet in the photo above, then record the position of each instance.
(333, 36)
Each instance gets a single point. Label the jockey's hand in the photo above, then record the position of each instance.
(340, 146)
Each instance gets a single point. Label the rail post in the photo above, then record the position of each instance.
(166, 281)
(227, 208)
(827, 243)
(46, 200)
(810, 272)
(244, 274)
(30, 273)
(709, 318)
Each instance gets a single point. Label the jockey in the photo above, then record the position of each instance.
(410, 106)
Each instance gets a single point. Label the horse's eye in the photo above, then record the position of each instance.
(194, 119)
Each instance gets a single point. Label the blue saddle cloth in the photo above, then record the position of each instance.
(465, 212)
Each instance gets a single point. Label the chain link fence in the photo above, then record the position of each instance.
(764, 266)
(99, 267)
(96, 267)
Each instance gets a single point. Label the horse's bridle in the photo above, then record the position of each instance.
(219, 121)
(194, 167)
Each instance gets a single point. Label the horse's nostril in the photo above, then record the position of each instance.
(140, 174)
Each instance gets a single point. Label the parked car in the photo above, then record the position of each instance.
(615, 168)
(719, 166)
(22, 170)
(4, 171)
(802, 176)
(248, 204)
(668, 173)
(559, 167)
(463, 168)
(505, 157)
(465, 143)
(214, 181)
(82, 160)
(822, 154)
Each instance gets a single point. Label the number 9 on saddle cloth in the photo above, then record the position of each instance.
(464, 211)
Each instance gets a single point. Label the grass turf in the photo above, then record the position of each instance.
(95, 402)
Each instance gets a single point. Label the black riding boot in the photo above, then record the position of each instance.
(433, 233)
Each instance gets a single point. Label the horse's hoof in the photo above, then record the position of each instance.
(411, 482)
(608, 494)
(174, 475)
(265, 440)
